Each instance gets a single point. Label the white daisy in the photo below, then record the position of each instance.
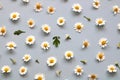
(85, 44)
(39, 76)
(51, 10)
(38, 7)
(100, 56)
(78, 27)
(30, 40)
(26, 58)
(45, 45)
(6, 69)
(77, 8)
(92, 77)
(14, 16)
(26, 1)
(11, 45)
(100, 22)
(23, 70)
(116, 9)
(96, 4)
(69, 55)
(103, 42)
(51, 61)
(118, 26)
(46, 28)
(61, 21)
(78, 70)
(31, 23)
(111, 68)
(3, 30)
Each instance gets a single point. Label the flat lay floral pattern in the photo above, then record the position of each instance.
(51, 40)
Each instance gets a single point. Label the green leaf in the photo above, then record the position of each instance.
(37, 61)
(84, 61)
(87, 18)
(118, 45)
(56, 41)
(117, 65)
(18, 32)
(13, 61)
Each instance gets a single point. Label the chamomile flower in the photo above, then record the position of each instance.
(30, 40)
(3, 30)
(39, 76)
(78, 70)
(26, 58)
(96, 4)
(69, 55)
(38, 7)
(51, 10)
(23, 70)
(77, 8)
(31, 23)
(61, 21)
(118, 26)
(111, 68)
(45, 45)
(92, 77)
(103, 42)
(11, 45)
(51, 61)
(14, 16)
(78, 27)
(116, 9)
(100, 56)
(6, 69)
(46, 28)
(26, 1)
(85, 44)
(100, 22)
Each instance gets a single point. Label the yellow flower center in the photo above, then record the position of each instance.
(103, 42)
(30, 22)
(40, 78)
(14, 15)
(51, 9)
(69, 55)
(61, 21)
(22, 70)
(45, 45)
(79, 27)
(101, 55)
(11, 45)
(30, 39)
(100, 21)
(116, 9)
(6, 69)
(112, 68)
(96, 3)
(3, 30)
(52, 61)
(38, 6)
(85, 44)
(93, 76)
(46, 28)
(77, 7)
(26, 57)
(79, 70)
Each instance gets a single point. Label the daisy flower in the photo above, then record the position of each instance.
(116, 9)
(38, 7)
(100, 56)
(39, 76)
(31, 23)
(46, 28)
(26, 58)
(103, 42)
(85, 44)
(3, 30)
(26, 1)
(77, 8)
(6, 69)
(51, 10)
(61, 21)
(11, 45)
(45, 45)
(78, 70)
(92, 77)
(14, 16)
(69, 55)
(78, 27)
(111, 68)
(118, 26)
(96, 4)
(23, 70)
(100, 22)
(51, 61)
(30, 40)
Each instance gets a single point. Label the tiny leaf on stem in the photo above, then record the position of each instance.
(56, 41)
(18, 32)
